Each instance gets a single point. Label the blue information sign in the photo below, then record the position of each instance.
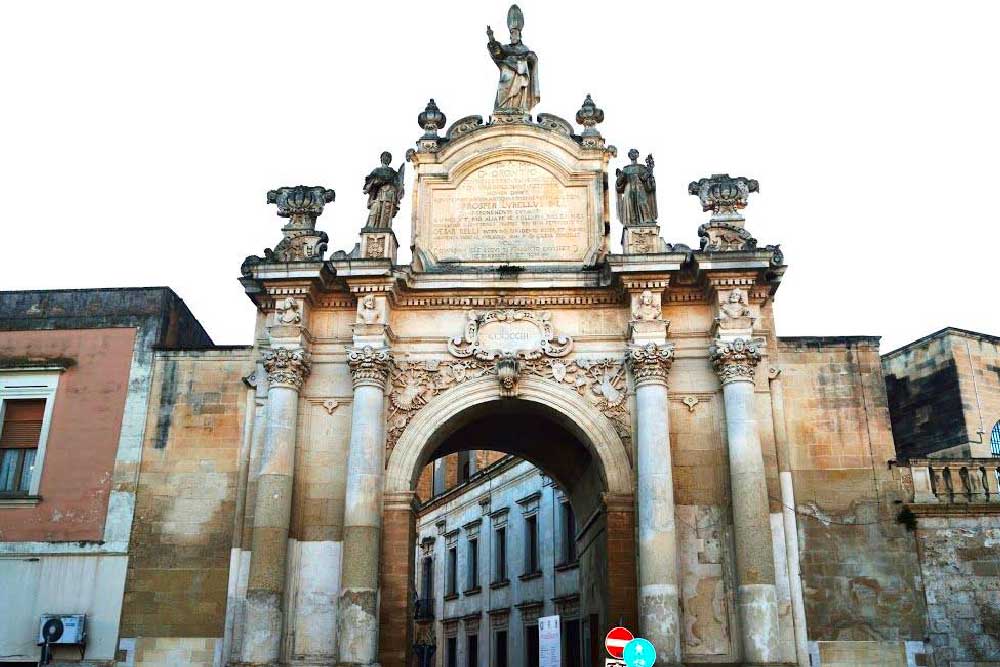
(639, 653)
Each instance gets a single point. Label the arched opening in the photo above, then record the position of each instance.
(542, 526)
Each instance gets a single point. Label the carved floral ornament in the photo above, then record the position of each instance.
(414, 384)
(369, 366)
(650, 362)
(736, 360)
(286, 367)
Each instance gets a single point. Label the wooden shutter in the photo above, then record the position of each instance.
(22, 422)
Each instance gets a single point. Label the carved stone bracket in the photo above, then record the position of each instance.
(524, 334)
(650, 363)
(507, 371)
(286, 367)
(369, 366)
(414, 384)
(735, 360)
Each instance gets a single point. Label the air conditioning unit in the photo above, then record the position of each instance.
(64, 629)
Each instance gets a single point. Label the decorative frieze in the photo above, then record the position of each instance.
(650, 363)
(414, 384)
(369, 366)
(735, 360)
(286, 367)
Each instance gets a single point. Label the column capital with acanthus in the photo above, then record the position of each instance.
(369, 366)
(735, 360)
(650, 363)
(287, 367)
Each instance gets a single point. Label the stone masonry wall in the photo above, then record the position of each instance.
(861, 578)
(175, 595)
(960, 562)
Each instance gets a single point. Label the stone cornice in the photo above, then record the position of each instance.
(734, 360)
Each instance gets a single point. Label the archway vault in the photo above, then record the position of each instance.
(443, 415)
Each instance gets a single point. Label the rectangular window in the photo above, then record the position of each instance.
(500, 560)
(452, 571)
(473, 564)
(569, 533)
(451, 652)
(472, 651)
(20, 437)
(500, 651)
(531, 645)
(531, 544)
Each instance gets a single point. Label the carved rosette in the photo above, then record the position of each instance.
(286, 367)
(650, 363)
(369, 366)
(735, 360)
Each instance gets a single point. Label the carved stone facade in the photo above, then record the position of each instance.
(735, 517)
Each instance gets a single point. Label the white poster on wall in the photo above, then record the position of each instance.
(548, 641)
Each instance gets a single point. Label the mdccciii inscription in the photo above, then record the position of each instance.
(509, 211)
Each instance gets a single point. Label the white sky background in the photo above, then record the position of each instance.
(138, 140)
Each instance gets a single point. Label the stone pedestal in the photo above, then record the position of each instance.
(735, 361)
(358, 608)
(378, 243)
(642, 239)
(659, 612)
(286, 371)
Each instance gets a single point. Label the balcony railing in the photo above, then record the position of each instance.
(955, 481)
(424, 610)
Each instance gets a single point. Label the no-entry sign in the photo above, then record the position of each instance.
(616, 640)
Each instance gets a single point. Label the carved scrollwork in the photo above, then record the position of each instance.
(525, 334)
(555, 123)
(725, 237)
(735, 361)
(463, 126)
(286, 367)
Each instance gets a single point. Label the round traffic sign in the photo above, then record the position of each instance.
(616, 640)
(639, 653)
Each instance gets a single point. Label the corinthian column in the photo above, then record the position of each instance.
(358, 613)
(735, 361)
(659, 614)
(286, 371)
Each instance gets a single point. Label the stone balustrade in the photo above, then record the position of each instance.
(955, 481)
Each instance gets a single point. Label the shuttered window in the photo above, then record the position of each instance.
(19, 438)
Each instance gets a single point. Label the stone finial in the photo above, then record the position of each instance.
(589, 116)
(724, 196)
(286, 367)
(301, 203)
(431, 119)
(369, 366)
(734, 360)
(650, 363)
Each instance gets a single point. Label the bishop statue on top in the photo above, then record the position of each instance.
(517, 90)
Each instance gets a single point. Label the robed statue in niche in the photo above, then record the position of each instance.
(384, 187)
(636, 190)
(518, 89)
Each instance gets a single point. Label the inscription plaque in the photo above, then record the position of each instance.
(509, 211)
